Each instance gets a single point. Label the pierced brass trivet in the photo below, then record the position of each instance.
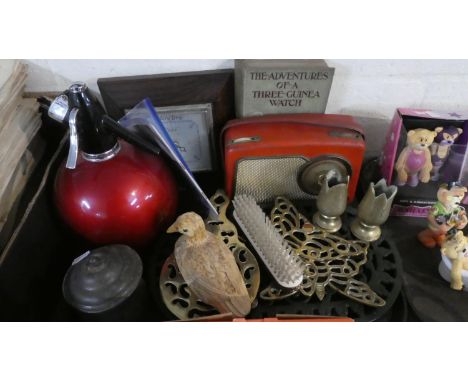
(331, 261)
(174, 290)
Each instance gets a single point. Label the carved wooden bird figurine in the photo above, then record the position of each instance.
(209, 267)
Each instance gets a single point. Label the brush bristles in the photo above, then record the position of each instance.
(278, 256)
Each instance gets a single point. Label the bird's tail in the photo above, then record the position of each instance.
(239, 306)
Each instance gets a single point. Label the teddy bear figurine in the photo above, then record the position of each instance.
(414, 163)
(440, 149)
(455, 264)
(446, 214)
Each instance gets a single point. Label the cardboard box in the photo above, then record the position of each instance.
(415, 200)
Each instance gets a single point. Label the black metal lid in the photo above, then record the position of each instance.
(102, 278)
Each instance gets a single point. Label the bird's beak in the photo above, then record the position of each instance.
(172, 229)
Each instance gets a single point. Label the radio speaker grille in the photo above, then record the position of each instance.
(266, 178)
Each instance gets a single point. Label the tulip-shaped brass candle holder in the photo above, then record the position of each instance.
(373, 211)
(331, 201)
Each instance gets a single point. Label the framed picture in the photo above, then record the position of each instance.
(191, 129)
(194, 107)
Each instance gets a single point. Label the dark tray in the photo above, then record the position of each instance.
(42, 248)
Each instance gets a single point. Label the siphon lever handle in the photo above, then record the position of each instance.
(60, 110)
(73, 150)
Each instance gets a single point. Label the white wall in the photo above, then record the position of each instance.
(370, 89)
(50, 75)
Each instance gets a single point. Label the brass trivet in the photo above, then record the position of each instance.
(331, 261)
(174, 290)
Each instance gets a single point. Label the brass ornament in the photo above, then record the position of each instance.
(331, 202)
(373, 211)
(175, 292)
(331, 261)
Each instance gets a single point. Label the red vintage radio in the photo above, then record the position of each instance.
(286, 154)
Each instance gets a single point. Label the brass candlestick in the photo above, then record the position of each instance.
(373, 211)
(331, 201)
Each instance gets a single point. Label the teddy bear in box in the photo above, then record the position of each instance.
(440, 149)
(414, 163)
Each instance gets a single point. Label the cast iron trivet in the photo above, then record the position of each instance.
(382, 272)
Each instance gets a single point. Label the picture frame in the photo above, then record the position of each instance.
(179, 92)
(190, 127)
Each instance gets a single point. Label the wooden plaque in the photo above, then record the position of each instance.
(214, 87)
